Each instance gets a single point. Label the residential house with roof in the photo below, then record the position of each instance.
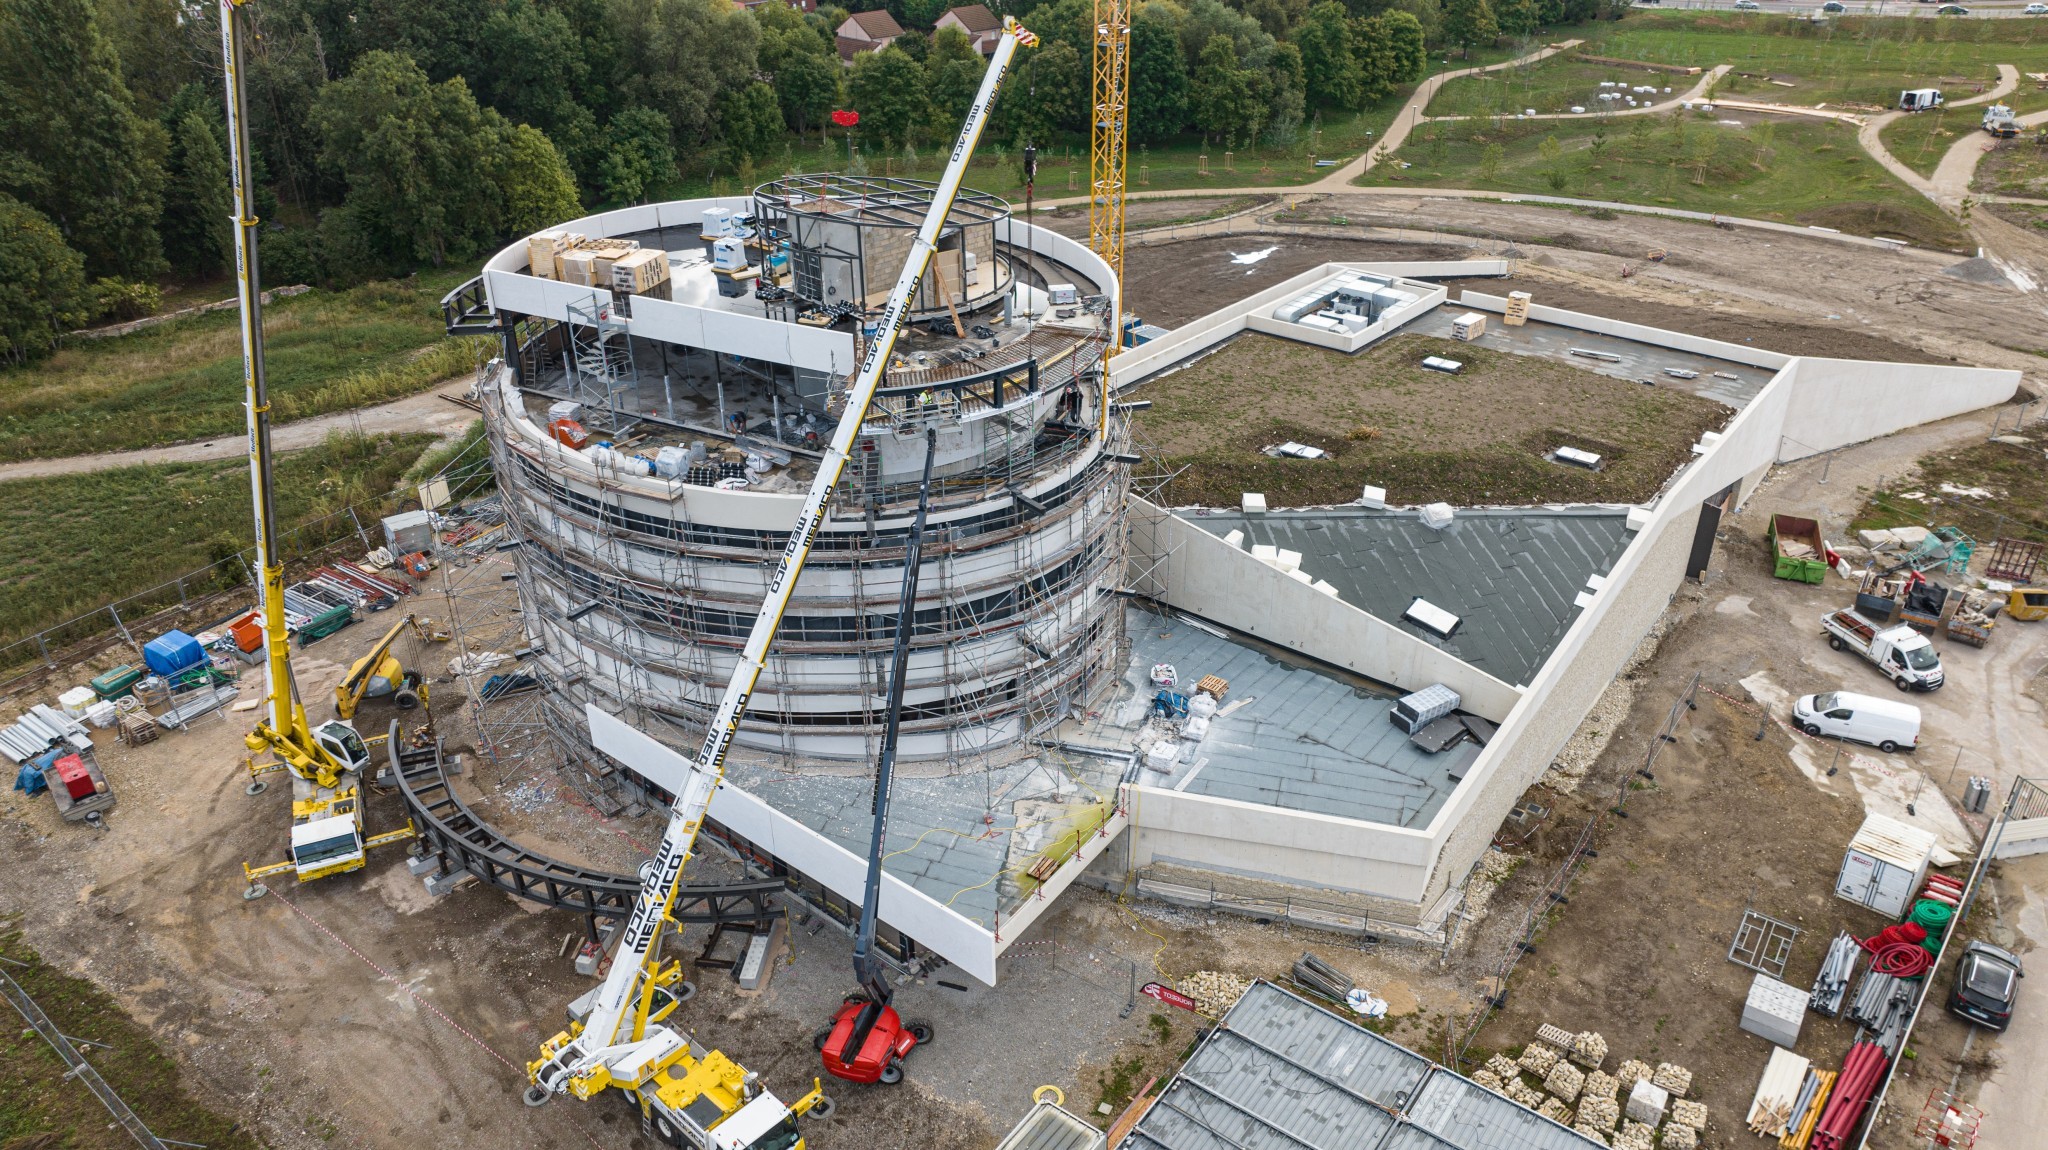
(866, 32)
(982, 26)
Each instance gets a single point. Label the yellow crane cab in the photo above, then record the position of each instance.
(327, 821)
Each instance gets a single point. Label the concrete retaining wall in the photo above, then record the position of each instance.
(1208, 577)
(2023, 837)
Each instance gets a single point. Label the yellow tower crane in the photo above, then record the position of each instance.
(326, 763)
(1109, 148)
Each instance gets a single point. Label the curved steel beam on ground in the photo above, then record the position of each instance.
(465, 842)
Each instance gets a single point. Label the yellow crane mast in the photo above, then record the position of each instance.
(326, 763)
(1109, 147)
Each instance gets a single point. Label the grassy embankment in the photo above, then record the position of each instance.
(42, 1109)
(1801, 172)
(182, 380)
(1422, 435)
(87, 540)
(1993, 490)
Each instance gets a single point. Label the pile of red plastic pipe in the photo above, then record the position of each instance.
(1896, 951)
(1861, 1073)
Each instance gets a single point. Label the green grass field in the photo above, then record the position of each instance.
(325, 351)
(1793, 172)
(83, 541)
(41, 1109)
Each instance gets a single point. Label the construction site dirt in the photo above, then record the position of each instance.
(360, 1011)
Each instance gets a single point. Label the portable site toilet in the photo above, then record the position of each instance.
(1885, 864)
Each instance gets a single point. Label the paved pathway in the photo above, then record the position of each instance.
(427, 411)
(1870, 136)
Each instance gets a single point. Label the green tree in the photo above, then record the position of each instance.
(71, 143)
(750, 122)
(1762, 135)
(1469, 22)
(538, 187)
(1276, 17)
(531, 66)
(887, 89)
(681, 58)
(42, 284)
(1221, 95)
(1159, 76)
(160, 50)
(1701, 155)
(809, 88)
(1553, 152)
(638, 155)
(952, 76)
(1048, 95)
(1407, 45)
(1329, 62)
(1390, 51)
(1489, 162)
(198, 233)
(1281, 85)
(416, 158)
(1519, 17)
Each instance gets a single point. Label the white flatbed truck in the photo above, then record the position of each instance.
(1901, 654)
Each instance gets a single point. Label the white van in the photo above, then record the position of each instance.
(1885, 724)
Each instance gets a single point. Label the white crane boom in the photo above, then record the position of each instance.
(585, 1064)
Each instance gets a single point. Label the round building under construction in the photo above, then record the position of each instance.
(670, 374)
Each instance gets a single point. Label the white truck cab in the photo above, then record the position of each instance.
(1886, 724)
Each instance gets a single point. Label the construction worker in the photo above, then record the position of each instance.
(929, 402)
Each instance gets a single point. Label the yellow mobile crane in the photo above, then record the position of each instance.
(689, 1096)
(326, 763)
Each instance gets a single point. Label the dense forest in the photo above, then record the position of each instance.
(395, 134)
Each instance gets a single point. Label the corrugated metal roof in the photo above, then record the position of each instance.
(1510, 575)
(1901, 844)
(1347, 1055)
(1048, 1127)
(1295, 737)
(1282, 1073)
(1468, 1116)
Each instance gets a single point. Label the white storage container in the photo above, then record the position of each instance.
(565, 409)
(1885, 864)
(100, 713)
(76, 700)
(1437, 516)
(1413, 712)
(1160, 756)
(671, 462)
(1201, 706)
(1196, 727)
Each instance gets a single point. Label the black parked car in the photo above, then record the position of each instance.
(1987, 983)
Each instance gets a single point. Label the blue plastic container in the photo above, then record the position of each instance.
(172, 652)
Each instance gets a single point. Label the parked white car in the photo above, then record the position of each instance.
(1886, 724)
